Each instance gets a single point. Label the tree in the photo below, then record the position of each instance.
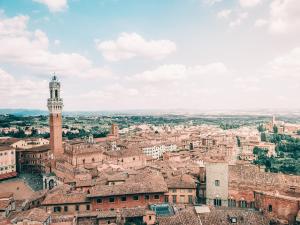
(238, 141)
(275, 129)
(263, 136)
(261, 128)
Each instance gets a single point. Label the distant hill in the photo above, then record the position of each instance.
(24, 112)
(157, 112)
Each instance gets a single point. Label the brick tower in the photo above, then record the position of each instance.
(55, 105)
(115, 130)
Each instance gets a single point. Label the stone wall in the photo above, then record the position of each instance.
(216, 182)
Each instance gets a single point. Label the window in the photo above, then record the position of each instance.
(181, 198)
(123, 198)
(243, 204)
(135, 197)
(217, 202)
(156, 196)
(57, 209)
(66, 208)
(166, 198)
(147, 197)
(111, 199)
(174, 198)
(217, 183)
(174, 190)
(99, 200)
(150, 217)
(270, 208)
(88, 207)
(231, 203)
(190, 190)
(77, 207)
(190, 199)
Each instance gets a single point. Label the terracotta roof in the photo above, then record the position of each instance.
(136, 185)
(181, 181)
(35, 214)
(6, 195)
(125, 153)
(221, 216)
(35, 149)
(4, 204)
(5, 147)
(186, 217)
(62, 198)
(117, 177)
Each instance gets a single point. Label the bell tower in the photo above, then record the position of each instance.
(55, 105)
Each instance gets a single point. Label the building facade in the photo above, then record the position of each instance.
(216, 183)
(7, 162)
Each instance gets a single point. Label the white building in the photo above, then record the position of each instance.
(7, 162)
(156, 151)
(30, 143)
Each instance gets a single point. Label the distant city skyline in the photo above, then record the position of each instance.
(160, 54)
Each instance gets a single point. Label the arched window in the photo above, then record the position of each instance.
(56, 93)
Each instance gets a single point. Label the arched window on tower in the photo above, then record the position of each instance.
(51, 94)
(56, 93)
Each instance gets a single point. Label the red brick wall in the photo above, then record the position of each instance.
(55, 123)
(282, 208)
(106, 205)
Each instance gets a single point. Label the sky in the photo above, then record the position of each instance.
(151, 54)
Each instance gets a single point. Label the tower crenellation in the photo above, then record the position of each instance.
(55, 102)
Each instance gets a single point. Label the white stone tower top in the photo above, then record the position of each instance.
(55, 103)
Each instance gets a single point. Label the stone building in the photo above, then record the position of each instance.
(216, 183)
(82, 154)
(34, 159)
(7, 161)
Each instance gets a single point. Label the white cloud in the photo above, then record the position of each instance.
(167, 86)
(261, 23)
(286, 66)
(178, 72)
(238, 21)
(212, 2)
(130, 45)
(57, 42)
(115, 93)
(284, 16)
(54, 5)
(225, 13)
(21, 92)
(249, 3)
(30, 49)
